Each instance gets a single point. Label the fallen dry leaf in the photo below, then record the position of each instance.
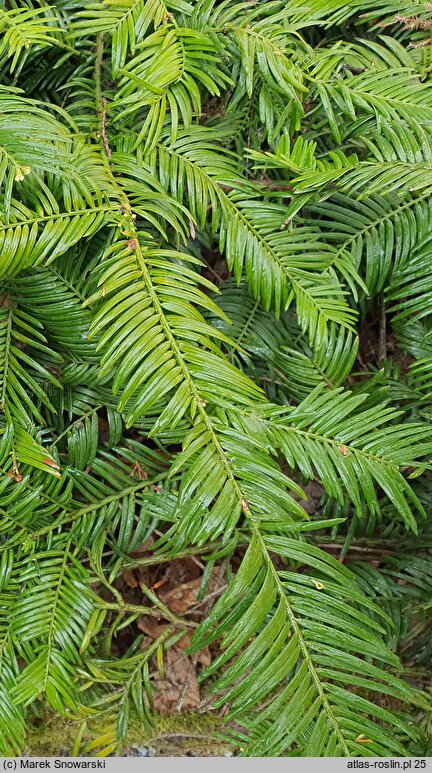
(153, 630)
(181, 570)
(203, 656)
(179, 678)
(181, 598)
(130, 578)
(150, 627)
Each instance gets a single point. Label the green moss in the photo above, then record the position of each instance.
(50, 735)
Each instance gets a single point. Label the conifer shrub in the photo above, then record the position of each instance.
(216, 286)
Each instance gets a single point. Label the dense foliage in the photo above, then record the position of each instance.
(206, 205)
